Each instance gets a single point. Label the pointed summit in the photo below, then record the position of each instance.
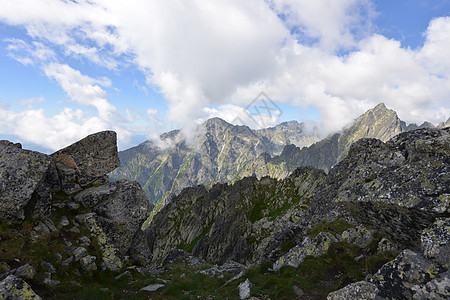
(379, 122)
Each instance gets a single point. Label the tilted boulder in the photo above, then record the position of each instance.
(87, 160)
(26, 182)
(316, 246)
(399, 187)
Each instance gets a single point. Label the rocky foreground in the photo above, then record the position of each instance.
(377, 226)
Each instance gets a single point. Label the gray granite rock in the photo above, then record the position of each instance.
(26, 181)
(396, 278)
(152, 287)
(25, 272)
(244, 289)
(436, 241)
(14, 288)
(361, 290)
(87, 160)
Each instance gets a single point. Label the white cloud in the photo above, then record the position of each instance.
(53, 132)
(28, 54)
(81, 88)
(30, 101)
(337, 23)
(238, 115)
(208, 58)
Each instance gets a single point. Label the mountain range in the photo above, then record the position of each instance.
(375, 226)
(222, 152)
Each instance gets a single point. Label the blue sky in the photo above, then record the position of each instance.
(145, 67)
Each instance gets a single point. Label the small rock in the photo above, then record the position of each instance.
(244, 289)
(88, 263)
(74, 230)
(48, 267)
(104, 290)
(298, 291)
(73, 205)
(84, 241)
(127, 275)
(64, 221)
(26, 272)
(152, 287)
(386, 246)
(58, 257)
(79, 253)
(51, 282)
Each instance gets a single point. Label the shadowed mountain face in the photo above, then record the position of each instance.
(220, 152)
(223, 152)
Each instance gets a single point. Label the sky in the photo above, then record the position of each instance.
(143, 67)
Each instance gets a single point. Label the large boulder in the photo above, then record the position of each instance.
(397, 278)
(120, 209)
(87, 160)
(399, 187)
(14, 288)
(26, 182)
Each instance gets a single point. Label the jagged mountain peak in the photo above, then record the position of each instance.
(216, 121)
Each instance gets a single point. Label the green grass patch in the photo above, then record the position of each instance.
(336, 227)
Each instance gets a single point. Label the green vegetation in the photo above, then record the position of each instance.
(191, 245)
(335, 227)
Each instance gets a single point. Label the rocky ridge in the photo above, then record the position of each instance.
(224, 153)
(376, 226)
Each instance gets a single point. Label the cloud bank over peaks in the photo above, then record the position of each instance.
(213, 58)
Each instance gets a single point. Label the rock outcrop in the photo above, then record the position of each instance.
(27, 179)
(399, 187)
(71, 187)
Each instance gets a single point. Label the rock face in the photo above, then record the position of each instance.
(235, 222)
(27, 179)
(120, 208)
(399, 187)
(378, 123)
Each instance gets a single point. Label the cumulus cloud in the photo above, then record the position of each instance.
(81, 88)
(213, 58)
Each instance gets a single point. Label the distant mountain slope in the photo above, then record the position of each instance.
(221, 153)
(226, 153)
